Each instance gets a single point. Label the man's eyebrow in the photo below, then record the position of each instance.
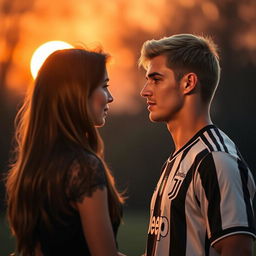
(106, 80)
(154, 74)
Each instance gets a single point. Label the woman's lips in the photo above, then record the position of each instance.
(106, 110)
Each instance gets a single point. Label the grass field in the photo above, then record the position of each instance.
(132, 233)
(131, 237)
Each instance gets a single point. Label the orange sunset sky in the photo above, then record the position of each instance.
(119, 26)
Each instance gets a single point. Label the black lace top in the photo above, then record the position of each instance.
(67, 238)
(83, 180)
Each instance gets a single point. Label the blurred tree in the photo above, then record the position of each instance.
(11, 13)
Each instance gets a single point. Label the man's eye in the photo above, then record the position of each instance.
(156, 80)
(106, 86)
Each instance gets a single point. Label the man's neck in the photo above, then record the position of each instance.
(184, 129)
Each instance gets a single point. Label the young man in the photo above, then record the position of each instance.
(202, 204)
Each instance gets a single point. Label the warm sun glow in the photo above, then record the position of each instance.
(43, 51)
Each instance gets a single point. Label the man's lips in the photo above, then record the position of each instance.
(150, 103)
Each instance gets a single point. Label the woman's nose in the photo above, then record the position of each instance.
(110, 97)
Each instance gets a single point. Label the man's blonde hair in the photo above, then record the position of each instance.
(187, 53)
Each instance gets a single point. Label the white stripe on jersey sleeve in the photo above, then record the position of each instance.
(232, 205)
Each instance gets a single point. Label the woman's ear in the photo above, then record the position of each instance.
(189, 82)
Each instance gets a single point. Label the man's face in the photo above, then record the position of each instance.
(164, 95)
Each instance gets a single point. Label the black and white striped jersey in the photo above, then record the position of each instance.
(204, 194)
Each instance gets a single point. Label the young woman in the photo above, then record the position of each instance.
(61, 196)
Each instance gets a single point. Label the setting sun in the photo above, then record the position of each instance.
(43, 51)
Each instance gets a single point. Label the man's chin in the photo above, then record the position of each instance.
(154, 118)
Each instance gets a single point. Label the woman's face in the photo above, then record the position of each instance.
(99, 100)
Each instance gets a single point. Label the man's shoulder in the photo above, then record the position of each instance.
(215, 140)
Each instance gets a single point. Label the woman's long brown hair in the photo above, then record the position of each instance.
(52, 126)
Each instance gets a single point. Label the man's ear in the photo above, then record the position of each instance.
(189, 82)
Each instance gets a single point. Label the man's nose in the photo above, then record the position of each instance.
(145, 92)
